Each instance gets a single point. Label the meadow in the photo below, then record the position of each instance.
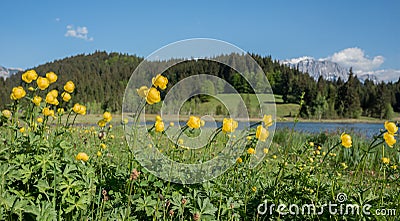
(52, 169)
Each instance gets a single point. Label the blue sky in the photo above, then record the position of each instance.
(365, 34)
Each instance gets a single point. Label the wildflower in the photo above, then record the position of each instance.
(6, 113)
(311, 160)
(193, 122)
(134, 175)
(69, 87)
(332, 154)
(274, 156)
(29, 76)
(158, 118)
(266, 150)
(17, 93)
(267, 119)
(159, 126)
(47, 112)
(51, 97)
(52, 77)
(125, 121)
(262, 133)
(202, 122)
(311, 144)
(239, 160)
(160, 81)
(319, 147)
(184, 201)
(39, 120)
(171, 124)
(385, 160)
(36, 100)
(391, 127)
(31, 89)
(112, 137)
(142, 91)
(344, 165)
(22, 129)
(102, 123)
(346, 140)
(394, 167)
(107, 116)
(180, 141)
(317, 152)
(389, 139)
(229, 125)
(66, 96)
(249, 138)
(171, 212)
(42, 83)
(60, 110)
(254, 189)
(82, 156)
(251, 151)
(103, 146)
(153, 96)
(79, 109)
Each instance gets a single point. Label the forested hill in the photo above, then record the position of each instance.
(101, 79)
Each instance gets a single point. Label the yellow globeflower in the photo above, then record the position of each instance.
(171, 124)
(6, 113)
(42, 83)
(47, 112)
(389, 139)
(262, 133)
(69, 87)
(22, 129)
(66, 96)
(142, 91)
(194, 122)
(82, 156)
(153, 96)
(54, 93)
(254, 189)
(239, 160)
(346, 140)
(267, 119)
(39, 120)
(159, 126)
(385, 160)
(51, 99)
(102, 123)
(29, 76)
(31, 89)
(391, 127)
(266, 150)
(251, 151)
(103, 146)
(52, 77)
(107, 116)
(76, 108)
(36, 100)
(160, 81)
(60, 110)
(158, 118)
(99, 153)
(17, 93)
(82, 111)
(229, 125)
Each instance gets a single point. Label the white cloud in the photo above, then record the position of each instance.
(79, 32)
(356, 58)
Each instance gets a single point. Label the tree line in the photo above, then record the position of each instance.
(101, 79)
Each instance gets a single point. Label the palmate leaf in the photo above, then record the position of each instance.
(146, 204)
(44, 211)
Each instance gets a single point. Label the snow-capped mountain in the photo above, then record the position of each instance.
(7, 72)
(327, 69)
